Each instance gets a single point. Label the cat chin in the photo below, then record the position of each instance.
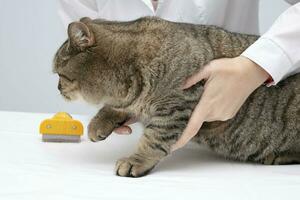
(93, 102)
(74, 96)
(66, 98)
(80, 98)
(77, 96)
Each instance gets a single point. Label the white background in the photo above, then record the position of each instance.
(33, 170)
(30, 33)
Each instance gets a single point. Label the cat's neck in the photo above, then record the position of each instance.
(128, 90)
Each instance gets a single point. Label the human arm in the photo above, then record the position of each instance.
(277, 51)
(229, 82)
(275, 54)
(292, 2)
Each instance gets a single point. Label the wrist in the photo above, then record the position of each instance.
(255, 73)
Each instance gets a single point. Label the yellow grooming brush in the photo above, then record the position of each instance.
(61, 128)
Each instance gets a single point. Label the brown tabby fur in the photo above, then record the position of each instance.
(137, 69)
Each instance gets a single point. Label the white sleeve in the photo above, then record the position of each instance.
(292, 1)
(72, 10)
(278, 50)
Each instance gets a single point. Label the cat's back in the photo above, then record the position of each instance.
(181, 50)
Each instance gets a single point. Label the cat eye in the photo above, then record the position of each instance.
(65, 77)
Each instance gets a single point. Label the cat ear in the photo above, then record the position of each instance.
(86, 20)
(80, 35)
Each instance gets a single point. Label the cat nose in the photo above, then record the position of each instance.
(59, 86)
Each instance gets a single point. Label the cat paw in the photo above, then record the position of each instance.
(133, 167)
(287, 160)
(99, 130)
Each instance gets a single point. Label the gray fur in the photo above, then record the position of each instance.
(137, 68)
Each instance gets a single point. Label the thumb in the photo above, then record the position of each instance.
(123, 130)
(199, 76)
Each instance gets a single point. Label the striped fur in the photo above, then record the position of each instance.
(136, 68)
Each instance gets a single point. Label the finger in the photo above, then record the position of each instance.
(192, 128)
(192, 80)
(123, 130)
(187, 135)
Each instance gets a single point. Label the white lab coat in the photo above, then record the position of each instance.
(277, 51)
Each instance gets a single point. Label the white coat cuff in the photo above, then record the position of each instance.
(271, 57)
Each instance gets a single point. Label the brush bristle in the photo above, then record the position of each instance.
(61, 138)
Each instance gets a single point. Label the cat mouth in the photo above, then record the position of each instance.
(70, 96)
(66, 97)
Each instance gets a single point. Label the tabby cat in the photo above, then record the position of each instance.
(137, 68)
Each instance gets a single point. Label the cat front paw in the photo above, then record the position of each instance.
(99, 130)
(134, 167)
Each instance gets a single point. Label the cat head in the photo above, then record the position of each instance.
(73, 62)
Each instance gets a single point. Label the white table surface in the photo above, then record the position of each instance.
(31, 169)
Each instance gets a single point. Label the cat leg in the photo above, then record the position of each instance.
(153, 146)
(103, 124)
(284, 159)
(287, 159)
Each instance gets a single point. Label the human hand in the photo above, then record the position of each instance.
(125, 128)
(229, 82)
